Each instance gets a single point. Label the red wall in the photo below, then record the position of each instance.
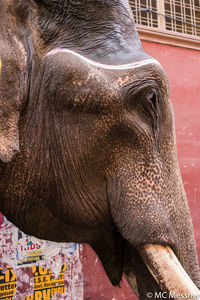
(183, 69)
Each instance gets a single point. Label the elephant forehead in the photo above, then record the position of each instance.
(90, 73)
(77, 85)
(133, 65)
(76, 77)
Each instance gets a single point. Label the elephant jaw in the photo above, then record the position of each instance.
(168, 272)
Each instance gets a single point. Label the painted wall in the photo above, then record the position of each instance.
(183, 69)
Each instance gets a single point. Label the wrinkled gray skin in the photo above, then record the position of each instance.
(88, 154)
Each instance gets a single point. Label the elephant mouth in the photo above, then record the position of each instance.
(168, 272)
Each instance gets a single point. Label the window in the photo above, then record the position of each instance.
(181, 16)
(141, 15)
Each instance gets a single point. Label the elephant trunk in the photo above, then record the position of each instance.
(151, 211)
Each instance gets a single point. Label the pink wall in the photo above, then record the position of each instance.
(183, 69)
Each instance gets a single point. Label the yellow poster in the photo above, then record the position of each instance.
(45, 283)
(7, 284)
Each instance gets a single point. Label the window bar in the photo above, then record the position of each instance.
(146, 15)
(187, 17)
(191, 16)
(151, 15)
(171, 13)
(135, 8)
(136, 15)
(184, 18)
(174, 15)
(161, 18)
(139, 13)
(194, 31)
(197, 17)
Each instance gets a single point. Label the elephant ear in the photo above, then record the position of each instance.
(13, 73)
(9, 112)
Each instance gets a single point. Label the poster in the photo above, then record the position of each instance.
(7, 284)
(33, 269)
(29, 250)
(46, 285)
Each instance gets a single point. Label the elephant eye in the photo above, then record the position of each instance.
(149, 106)
(142, 94)
(143, 97)
(151, 109)
(143, 103)
(152, 98)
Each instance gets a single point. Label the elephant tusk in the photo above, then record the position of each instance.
(168, 272)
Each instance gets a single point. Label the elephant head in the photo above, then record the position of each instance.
(89, 114)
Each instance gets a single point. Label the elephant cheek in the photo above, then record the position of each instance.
(141, 215)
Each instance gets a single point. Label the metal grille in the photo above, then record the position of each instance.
(143, 17)
(184, 16)
(181, 16)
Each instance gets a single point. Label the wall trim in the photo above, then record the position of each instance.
(168, 37)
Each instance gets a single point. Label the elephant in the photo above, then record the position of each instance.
(87, 142)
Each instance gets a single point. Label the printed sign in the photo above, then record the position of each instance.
(45, 283)
(29, 250)
(7, 284)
